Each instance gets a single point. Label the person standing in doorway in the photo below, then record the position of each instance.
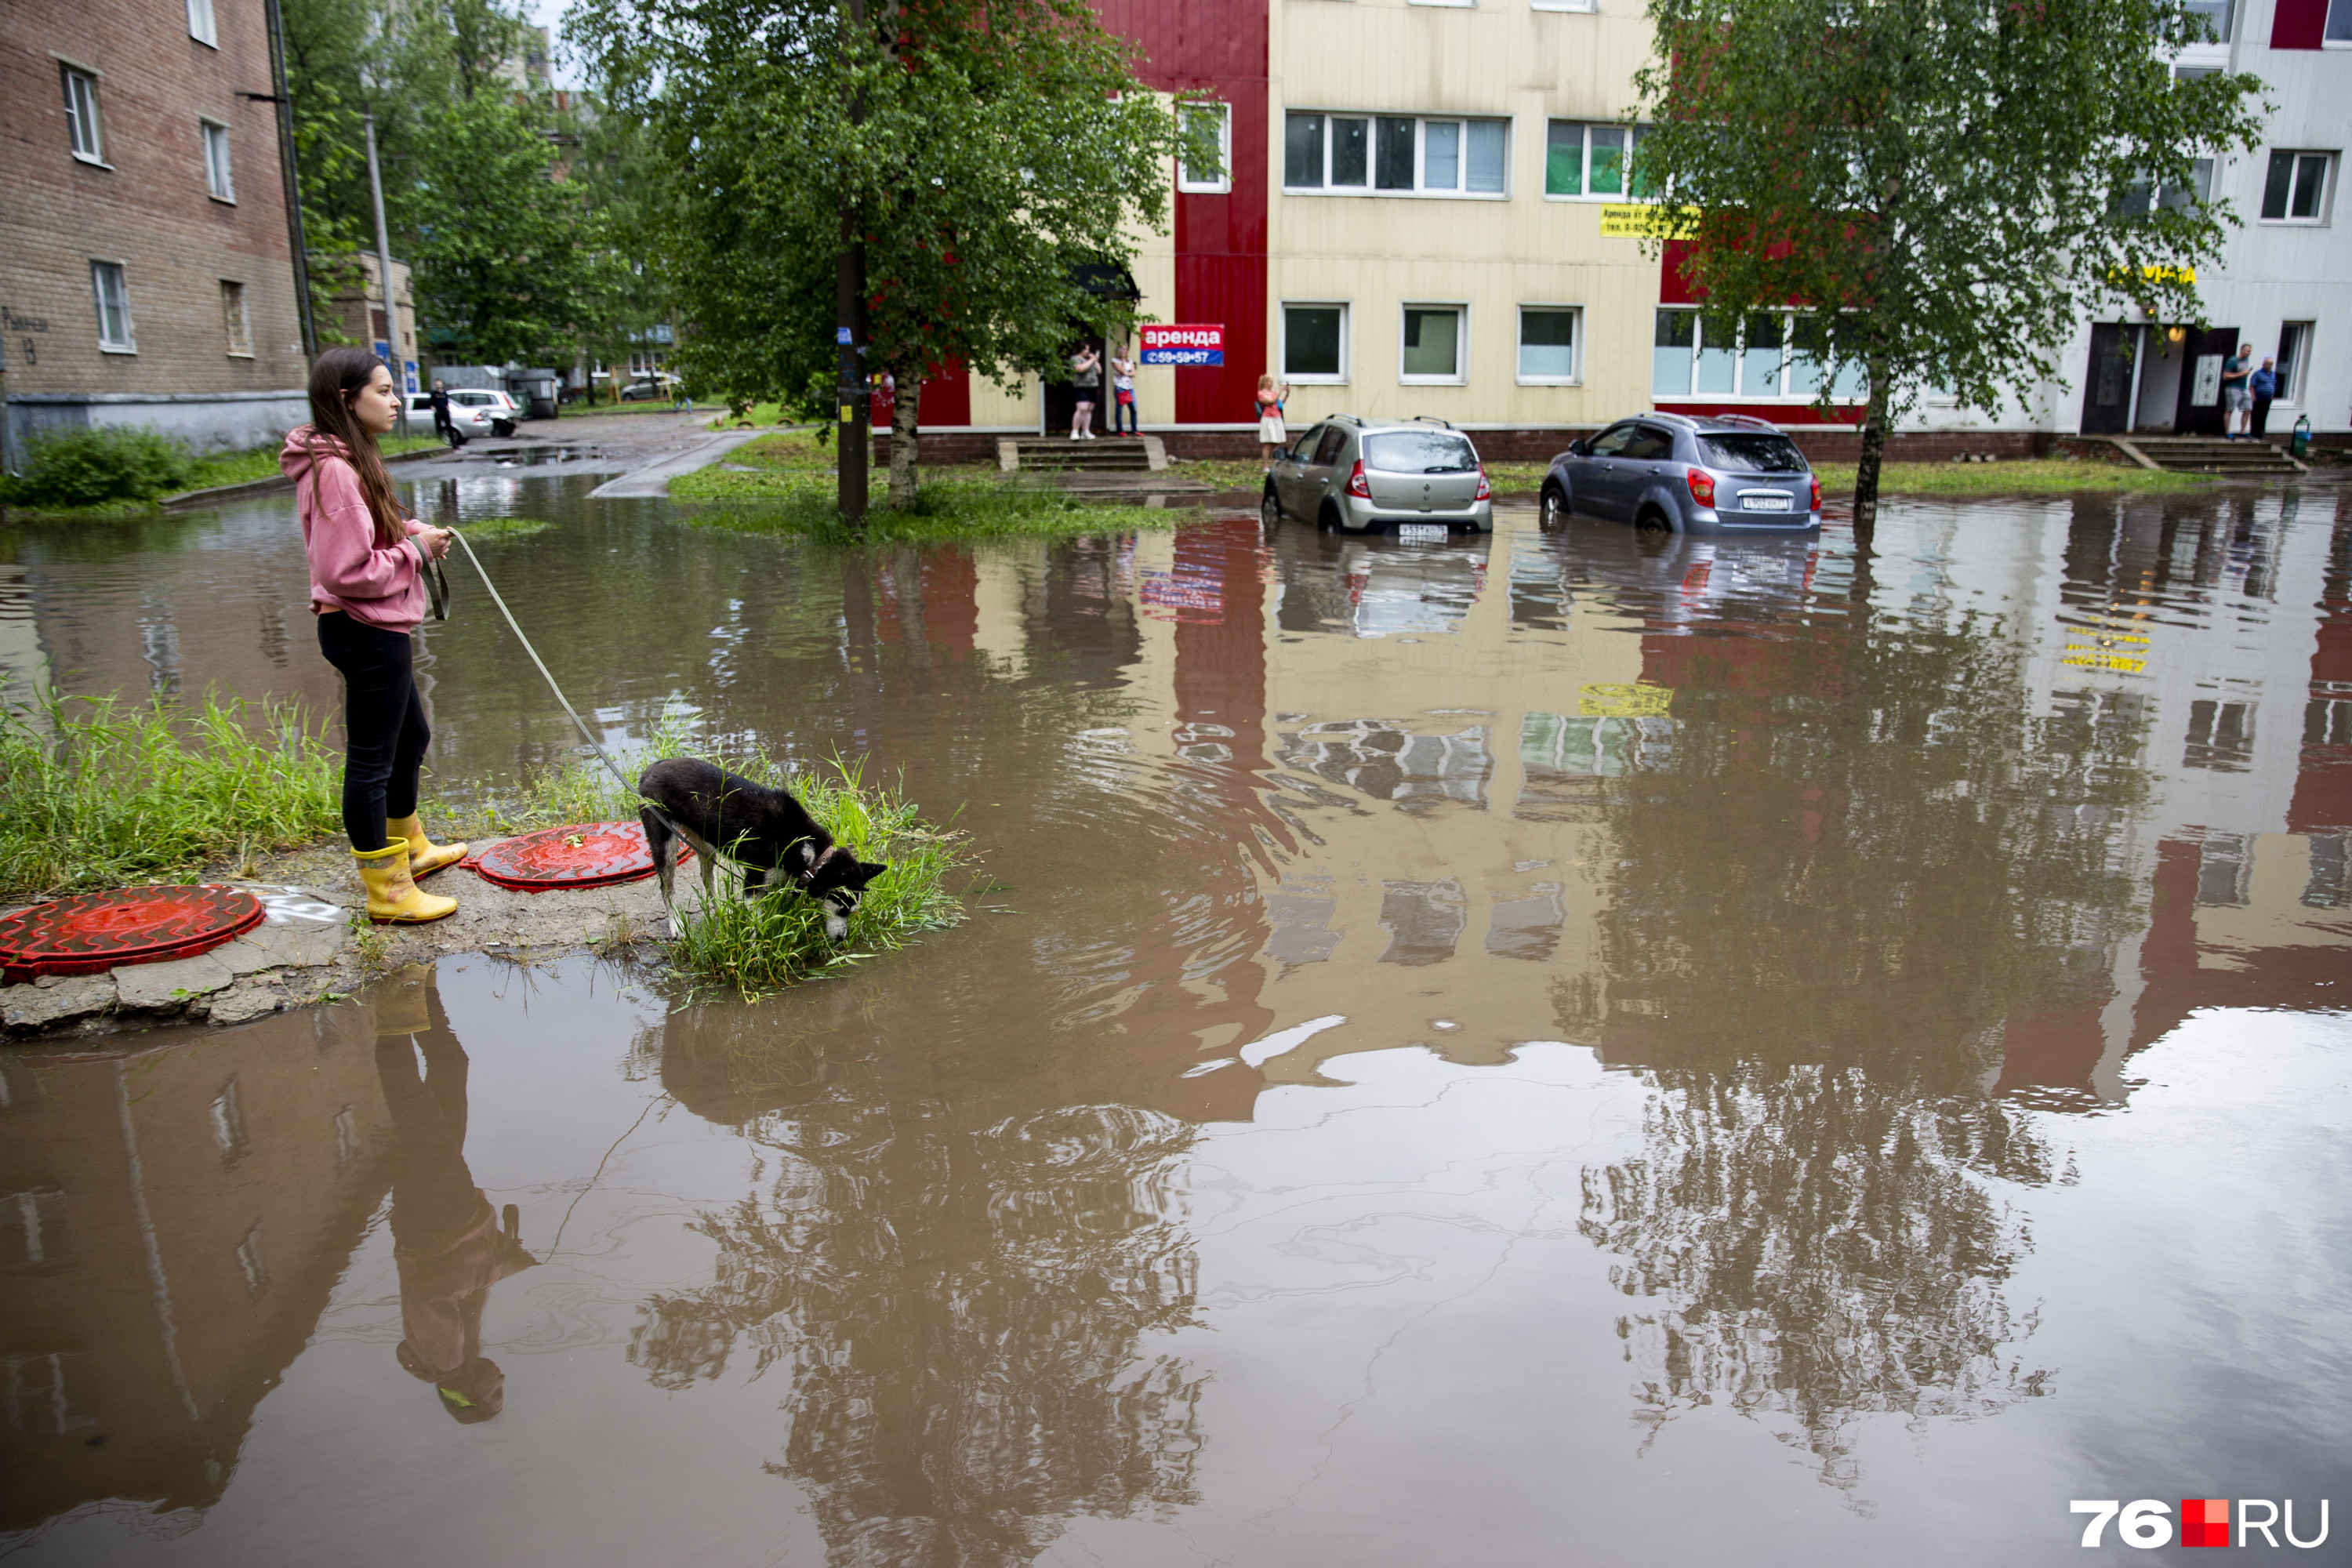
(1271, 435)
(367, 590)
(2237, 402)
(1123, 416)
(2263, 385)
(1086, 378)
(442, 427)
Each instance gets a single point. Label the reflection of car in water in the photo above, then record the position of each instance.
(1676, 578)
(1393, 588)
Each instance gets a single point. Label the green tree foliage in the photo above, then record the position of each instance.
(983, 151)
(512, 257)
(1954, 182)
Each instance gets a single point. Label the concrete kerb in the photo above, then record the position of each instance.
(654, 478)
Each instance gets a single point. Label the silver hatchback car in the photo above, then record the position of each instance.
(1720, 474)
(1355, 475)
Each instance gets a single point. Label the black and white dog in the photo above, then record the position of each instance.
(764, 831)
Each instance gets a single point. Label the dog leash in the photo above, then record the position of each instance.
(597, 746)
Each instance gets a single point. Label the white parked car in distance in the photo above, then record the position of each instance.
(472, 410)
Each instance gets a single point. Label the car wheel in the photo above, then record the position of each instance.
(1554, 513)
(1650, 520)
(1269, 510)
(503, 426)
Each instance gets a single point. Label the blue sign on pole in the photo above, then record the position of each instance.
(840, 336)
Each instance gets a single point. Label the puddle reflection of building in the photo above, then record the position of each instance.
(171, 1224)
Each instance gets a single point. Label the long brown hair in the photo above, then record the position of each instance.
(336, 378)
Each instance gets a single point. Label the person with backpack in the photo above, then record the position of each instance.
(368, 593)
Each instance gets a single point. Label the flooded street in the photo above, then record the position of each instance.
(1556, 1047)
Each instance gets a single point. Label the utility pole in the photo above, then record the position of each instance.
(383, 276)
(291, 176)
(849, 335)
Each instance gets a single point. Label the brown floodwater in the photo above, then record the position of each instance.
(1550, 1048)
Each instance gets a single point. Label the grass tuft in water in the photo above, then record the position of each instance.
(95, 793)
(776, 938)
(946, 509)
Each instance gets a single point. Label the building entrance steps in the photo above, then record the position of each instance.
(2207, 455)
(1103, 455)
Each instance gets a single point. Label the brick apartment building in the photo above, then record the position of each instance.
(145, 261)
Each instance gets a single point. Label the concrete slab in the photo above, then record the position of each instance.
(56, 999)
(246, 1000)
(169, 985)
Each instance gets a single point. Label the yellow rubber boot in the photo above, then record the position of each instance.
(393, 897)
(425, 856)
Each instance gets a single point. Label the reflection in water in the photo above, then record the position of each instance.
(1858, 894)
(959, 1310)
(449, 1245)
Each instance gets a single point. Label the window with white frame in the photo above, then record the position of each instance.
(113, 296)
(82, 115)
(1315, 342)
(1563, 5)
(1776, 354)
(235, 320)
(2339, 24)
(218, 177)
(1548, 345)
(200, 23)
(1395, 155)
(1205, 162)
(2296, 188)
(2220, 14)
(1434, 347)
(2293, 360)
(1591, 161)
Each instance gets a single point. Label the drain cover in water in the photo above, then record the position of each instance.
(584, 855)
(91, 932)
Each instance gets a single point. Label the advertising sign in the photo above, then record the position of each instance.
(1184, 344)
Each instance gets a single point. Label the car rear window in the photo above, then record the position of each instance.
(1751, 454)
(1419, 452)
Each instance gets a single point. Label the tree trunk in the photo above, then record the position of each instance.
(1865, 473)
(905, 403)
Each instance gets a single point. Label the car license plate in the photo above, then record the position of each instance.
(1764, 500)
(1422, 532)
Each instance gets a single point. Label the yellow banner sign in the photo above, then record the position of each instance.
(2087, 658)
(2120, 277)
(1639, 700)
(1640, 220)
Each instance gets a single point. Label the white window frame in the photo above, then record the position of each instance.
(1587, 7)
(236, 318)
(220, 175)
(1461, 377)
(85, 122)
(1421, 124)
(1223, 183)
(129, 343)
(2327, 190)
(1781, 394)
(1634, 138)
(2299, 369)
(202, 26)
(1347, 341)
(2327, 28)
(1575, 376)
(1456, 5)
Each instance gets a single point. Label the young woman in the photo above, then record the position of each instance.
(1271, 436)
(367, 589)
(1086, 378)
(1122, 393)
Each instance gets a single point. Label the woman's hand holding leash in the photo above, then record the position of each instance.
(436, 542)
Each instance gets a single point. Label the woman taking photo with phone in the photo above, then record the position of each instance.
(367, 590)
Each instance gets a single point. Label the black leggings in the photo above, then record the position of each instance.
(384, 732)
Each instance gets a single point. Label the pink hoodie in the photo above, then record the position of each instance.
(376, 584)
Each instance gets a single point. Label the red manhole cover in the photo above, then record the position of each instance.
(91, 932)
(583, 855)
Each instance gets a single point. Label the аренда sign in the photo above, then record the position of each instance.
(1184, 344)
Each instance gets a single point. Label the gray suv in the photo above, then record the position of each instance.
(1719, 474)
(1355, 475)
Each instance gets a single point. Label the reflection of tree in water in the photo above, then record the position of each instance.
(959, 1310)
(1853, 867)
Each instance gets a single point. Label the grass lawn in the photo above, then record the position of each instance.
(801, 503)
(261, 462)
(2031, 476)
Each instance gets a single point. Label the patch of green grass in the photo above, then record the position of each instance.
(758, 414)
(261, 462)
(489, 529)
(777, 939)
(96, 793)
(2026, 476)
(787, 452)
(1219, 473)
(803, 504)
